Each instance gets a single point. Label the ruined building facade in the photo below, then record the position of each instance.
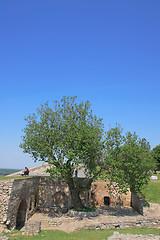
(21, 198)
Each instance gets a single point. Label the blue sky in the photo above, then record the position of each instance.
(107, 52)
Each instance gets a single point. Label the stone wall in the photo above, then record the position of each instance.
(137, 203)
(101, 195)
(53, 195)
(145, 208)
(32, 228)
(19, 200)
(153, 210)
(121, 223)
(5, 191)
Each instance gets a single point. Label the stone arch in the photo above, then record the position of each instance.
(21, 214)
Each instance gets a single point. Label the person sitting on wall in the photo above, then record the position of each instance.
(26, 172)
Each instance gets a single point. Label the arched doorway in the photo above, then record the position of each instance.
(21, 214)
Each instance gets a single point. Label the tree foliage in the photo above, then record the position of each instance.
(156, 155)
(129, 159)
(67, 135)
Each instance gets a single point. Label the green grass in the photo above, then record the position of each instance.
(87, 209)
(9, 178)
(4, 171)
(152, 192)
(83, 234)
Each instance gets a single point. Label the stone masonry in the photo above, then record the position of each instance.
(5, 191)
(32, 228)
(101, 195)
(53, 195)
(18, 199)
(21, 198)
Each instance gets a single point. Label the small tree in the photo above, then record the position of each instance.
(156, 155)
(129, 159)
(66, 135)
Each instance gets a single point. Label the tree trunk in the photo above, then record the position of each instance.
(77, 202)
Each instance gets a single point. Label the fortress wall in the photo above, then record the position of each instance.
(23, 200)
(55, 193)
(5, 191)
(52, 194)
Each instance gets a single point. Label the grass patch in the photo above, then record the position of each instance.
(143, 231)
(86, 209)
(89, 209)
(152, 192)
(4, 171)
(9, 178)
(83, 234)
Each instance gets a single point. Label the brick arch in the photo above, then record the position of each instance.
(21, 214)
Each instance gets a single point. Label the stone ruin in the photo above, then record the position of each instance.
(21, 198)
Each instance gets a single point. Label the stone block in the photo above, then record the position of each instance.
(32, 228)
(4, 238)
(153, 177)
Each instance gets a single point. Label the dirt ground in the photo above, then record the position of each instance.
(73, 221)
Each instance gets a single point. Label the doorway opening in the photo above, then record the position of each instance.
(21, 215)
(106, 201)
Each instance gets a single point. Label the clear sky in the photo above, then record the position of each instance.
(104, 51)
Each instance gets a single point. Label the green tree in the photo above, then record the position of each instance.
(129, 159)
(66, 135)
(156, 155)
